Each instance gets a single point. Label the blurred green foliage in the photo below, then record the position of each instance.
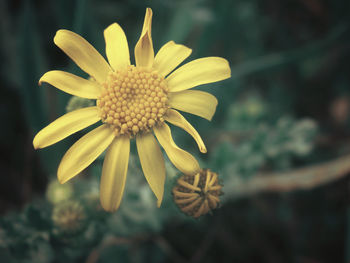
(287, 105)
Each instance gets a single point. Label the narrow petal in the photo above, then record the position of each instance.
(117, 49)
(170, 56)
(198, 72)
(114, 171)
(83, 54)
(66, 125)
(196, 102)
(152, 163)
(144, 53)
(84, 152)
(174, 117)
(182, 160)
(72, 84)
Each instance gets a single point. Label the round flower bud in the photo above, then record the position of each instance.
(197, 195)
(69, 217)
(57, 192)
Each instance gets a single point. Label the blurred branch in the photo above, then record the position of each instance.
(299, 179)
(286, 57)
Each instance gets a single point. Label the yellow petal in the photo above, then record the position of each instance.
(169, 57)
(84, 152)
(83, 54)
(144, 53)
(66, 125)
(72, 84)
(182, 160)
(152, 163)
(114, 171)
(177, 119)
(196, 102)
(117, 49)
(198, 72)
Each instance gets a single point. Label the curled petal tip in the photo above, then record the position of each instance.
(109, 209)
(36, 142)
(61, 178)
(58, 32)
(40, 82)
(149, 10)
(203, 150)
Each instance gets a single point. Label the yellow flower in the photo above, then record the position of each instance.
(131, 101)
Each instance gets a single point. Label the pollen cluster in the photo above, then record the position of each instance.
(197, 195)
(133, 100)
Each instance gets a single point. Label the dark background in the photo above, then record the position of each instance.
(289, 61)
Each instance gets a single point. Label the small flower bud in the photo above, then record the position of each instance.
(69, 217)
(57, 192)
(197, 195)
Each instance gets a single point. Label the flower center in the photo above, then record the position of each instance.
(133, 100)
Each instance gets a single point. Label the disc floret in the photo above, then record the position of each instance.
(133, 99)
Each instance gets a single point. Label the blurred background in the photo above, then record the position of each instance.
(280, 139)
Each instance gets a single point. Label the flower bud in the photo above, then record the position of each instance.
(197, 195)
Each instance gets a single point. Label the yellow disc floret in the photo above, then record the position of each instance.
(133, 100)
